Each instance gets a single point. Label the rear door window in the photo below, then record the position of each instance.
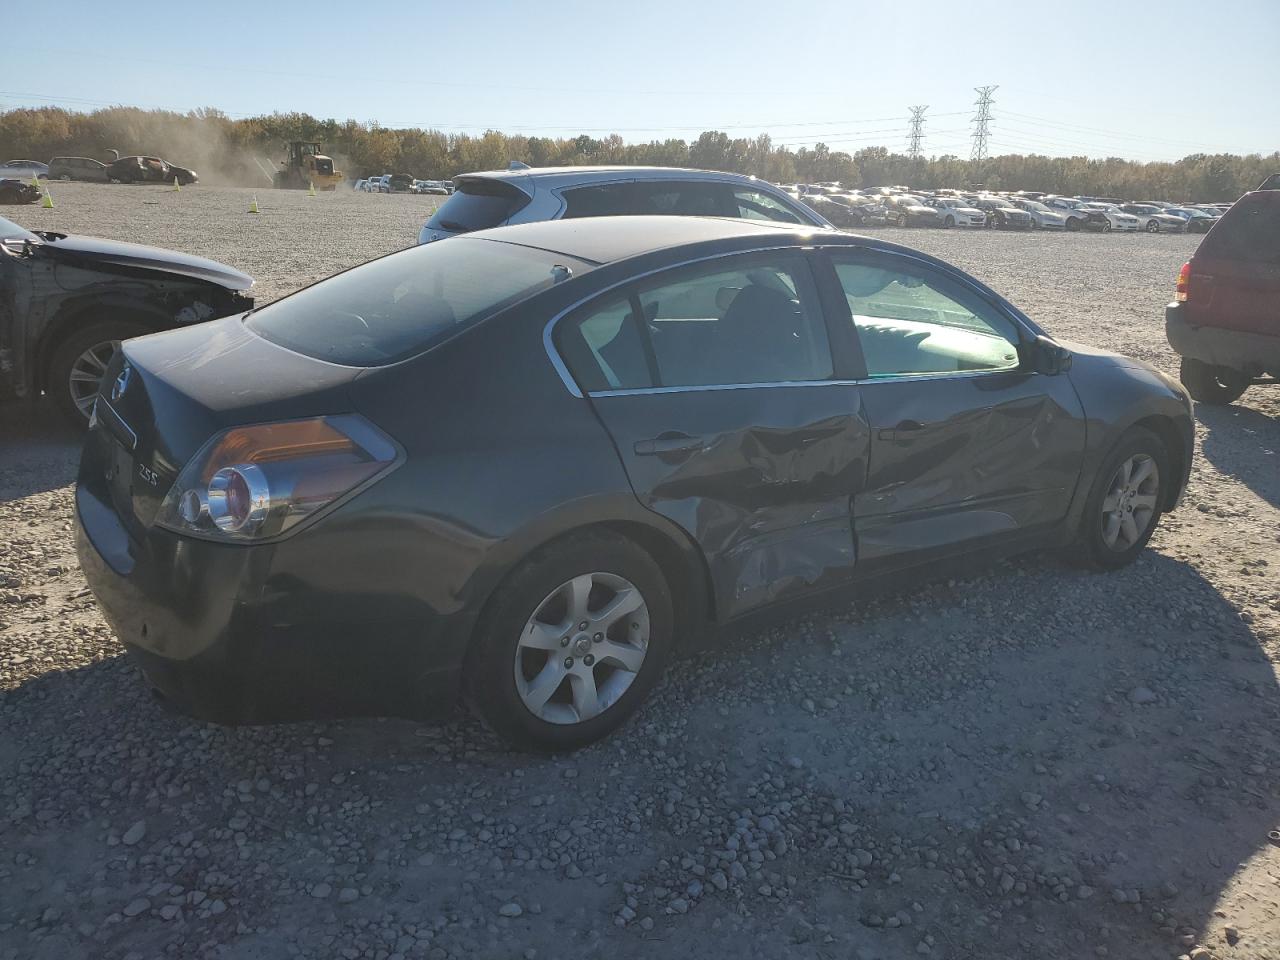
(1249, 231)
(743, 320)
(478, 205)
(599, 200)
(757, 205)
(684, 198)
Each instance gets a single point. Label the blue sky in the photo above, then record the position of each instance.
(1147, 80)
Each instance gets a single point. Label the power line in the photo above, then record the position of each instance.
(982, 119)
(917, 132)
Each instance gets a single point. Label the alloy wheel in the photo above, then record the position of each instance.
(582, 648)
(1130, 503)
(87, 372)
(1153, 226)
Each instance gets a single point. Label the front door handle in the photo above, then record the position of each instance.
(906, 430)
(668, 443)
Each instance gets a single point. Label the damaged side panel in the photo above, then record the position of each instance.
(761, 477)
(45, 298)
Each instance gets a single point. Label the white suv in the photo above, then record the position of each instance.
(524, 194)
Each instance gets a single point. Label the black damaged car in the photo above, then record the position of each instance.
(66, 303)
(532, 463)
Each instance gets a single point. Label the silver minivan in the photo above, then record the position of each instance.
(526, 194)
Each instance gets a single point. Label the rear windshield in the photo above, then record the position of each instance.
(1249, 231)
(395, 307)
(477, 205)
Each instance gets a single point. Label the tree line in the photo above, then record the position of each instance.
(236, 150)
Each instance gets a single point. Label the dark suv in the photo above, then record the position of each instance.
(1225, 320)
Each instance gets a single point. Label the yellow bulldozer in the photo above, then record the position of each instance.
(306, 166)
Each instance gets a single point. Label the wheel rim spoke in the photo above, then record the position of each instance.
(1129, 529)
(1143, 501)
(1111, 501)
(586, 699)
(1111, 529)
(623, 604)
(1140, 473)
(622, 655)
(578, 595)
(542, 636)
(547, 682)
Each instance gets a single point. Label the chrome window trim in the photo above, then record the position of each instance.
(557, 362)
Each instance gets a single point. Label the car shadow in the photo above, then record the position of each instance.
(39, 451)
(1012, 750)
(1243, 443)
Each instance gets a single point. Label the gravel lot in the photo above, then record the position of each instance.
(1031, 763)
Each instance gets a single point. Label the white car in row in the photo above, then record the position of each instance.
(956, 213)
(1119, 220)
(1042, 217)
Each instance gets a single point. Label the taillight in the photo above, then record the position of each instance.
(260, 481)
(1183, 286)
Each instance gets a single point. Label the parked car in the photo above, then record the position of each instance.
(20, 169)
(953, 212)
(1225, 318)
(1002, 214)
(273, 528)
(67, 302)
(399, 183)
(15, 192)
(148, 170)
(846, 210)
(1117, 219)
(77, 168)
(1155, 219)
(434, 187)
(908, 210)
(1197, 220)
(1076, 215)
(1042, 217)
(360, 184)
(526, 195)
(379, 184)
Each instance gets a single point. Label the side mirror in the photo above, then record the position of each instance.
(1048, 357)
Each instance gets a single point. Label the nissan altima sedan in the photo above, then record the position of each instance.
(533, 463)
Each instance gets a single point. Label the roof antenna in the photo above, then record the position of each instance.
(518, 165)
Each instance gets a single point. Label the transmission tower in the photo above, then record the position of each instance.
(982, 121)
(916, 137)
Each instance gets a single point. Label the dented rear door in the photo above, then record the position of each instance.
(742, 432)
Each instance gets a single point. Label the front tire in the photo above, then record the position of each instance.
(1153, 226)
(1217, 386)
(571, 644)
(77, 364)
(1073, 224)
(948, 222)
(1125, 502)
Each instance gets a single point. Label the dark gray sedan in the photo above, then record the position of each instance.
(533, 463)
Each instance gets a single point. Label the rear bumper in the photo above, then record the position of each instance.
(1253, 353)
(225, 634)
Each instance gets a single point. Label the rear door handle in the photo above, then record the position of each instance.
(668, 443)
(906, 430)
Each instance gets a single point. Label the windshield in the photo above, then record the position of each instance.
(478, 205)
(390, 309)
(11, 231)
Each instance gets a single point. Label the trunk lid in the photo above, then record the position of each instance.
(166, 394)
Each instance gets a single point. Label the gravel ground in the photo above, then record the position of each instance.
(1031, 763)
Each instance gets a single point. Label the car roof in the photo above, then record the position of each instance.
(551, 177)
(607, 239)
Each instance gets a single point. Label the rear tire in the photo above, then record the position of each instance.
(84, 352)
(1217, 386)
(1106, 543)
(1153, 226)
(505, 664)
(948, 222)
(1073, 224)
